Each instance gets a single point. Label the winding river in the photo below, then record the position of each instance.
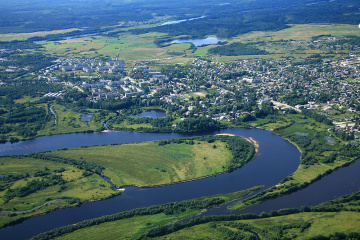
(275, 160)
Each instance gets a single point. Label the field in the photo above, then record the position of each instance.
(306, 173)
(125, 46)
(148, 164)
(289, 42)
(134, 227)
(77, 187)
(68, 121)
(127, 228)
(23, 36)
(321, 224)
(127, 124)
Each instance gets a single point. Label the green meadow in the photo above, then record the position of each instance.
(68, 121)
(76, 188)
(148, 164)
(320, 224)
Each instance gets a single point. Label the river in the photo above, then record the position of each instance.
(275, 160)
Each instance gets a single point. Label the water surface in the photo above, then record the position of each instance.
(153, 113)
(198, 42)
(275, 160)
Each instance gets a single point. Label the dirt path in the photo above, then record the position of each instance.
(31, 210)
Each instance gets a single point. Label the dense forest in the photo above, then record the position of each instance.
(225, 20)
(236, 49)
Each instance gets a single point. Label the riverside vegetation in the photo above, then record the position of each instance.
(41, 182)
(325, 221)
(287, 60)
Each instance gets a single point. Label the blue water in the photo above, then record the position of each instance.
(199, 42)
(275, 160)
(154, 113)
(180, 21)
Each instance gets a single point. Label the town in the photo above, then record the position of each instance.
(222, 91)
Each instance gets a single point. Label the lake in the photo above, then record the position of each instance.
(182, 20)
(153, 113)
(198, 42)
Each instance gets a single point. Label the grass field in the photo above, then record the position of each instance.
(305, 173)
(77, 186)
(134, 227)
(321, 224)
(148, 164)
(126, 124)
(68, 121)
(127, 228)
(23, 36)
(290, 42)
(26, 99)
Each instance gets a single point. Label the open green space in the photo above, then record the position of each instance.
(127, 124)
(68, 121)
(295, 226)
(289, 42)
(152, 163)
(8, 37)
(134, 224)
(336, 219)
(38, 186)
(318, 158)
(127, 228)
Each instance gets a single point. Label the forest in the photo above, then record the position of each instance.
(224, 21)
(237, 49)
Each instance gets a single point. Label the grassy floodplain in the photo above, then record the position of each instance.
(76, 188)
(320, 224)
(291, 125)
(133, 227)
(143, 164)
(148, 164)
(68, 121)
(339, 216)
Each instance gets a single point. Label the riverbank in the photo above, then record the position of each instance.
(249, 139)
(134, 198)
(162, 163)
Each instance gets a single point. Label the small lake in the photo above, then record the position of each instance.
(86, 117)
(199, 42)
(153, 113)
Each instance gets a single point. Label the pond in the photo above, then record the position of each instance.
(153, 113)
(86, 117)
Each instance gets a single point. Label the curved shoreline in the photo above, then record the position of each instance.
(136, 193)
(249, 139)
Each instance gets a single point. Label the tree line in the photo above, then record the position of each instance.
(169, 209)
(242, 151)
(32, 187)
(237, 49)
(81, 164)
